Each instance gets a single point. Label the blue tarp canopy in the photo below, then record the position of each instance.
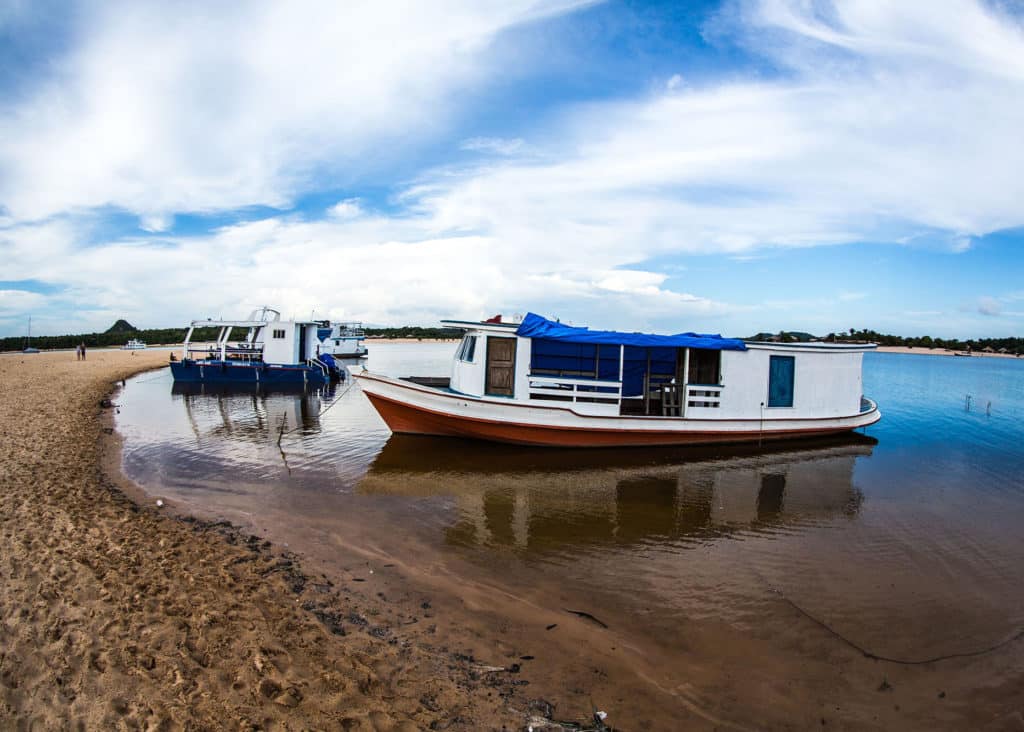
(535, 326)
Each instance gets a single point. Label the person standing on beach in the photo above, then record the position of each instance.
(78, 353)
(82, 347)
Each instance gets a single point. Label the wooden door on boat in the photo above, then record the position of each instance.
(501, 366)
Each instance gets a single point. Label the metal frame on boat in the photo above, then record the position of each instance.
(273, 352)
(544, 383)
(344, 340)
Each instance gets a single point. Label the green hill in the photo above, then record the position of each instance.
(121, 326)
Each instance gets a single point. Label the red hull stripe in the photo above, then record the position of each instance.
(405, 418)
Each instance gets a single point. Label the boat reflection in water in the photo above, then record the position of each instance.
(250, 412)
(209, 442)
(538, 499)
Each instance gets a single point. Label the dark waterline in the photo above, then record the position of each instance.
(907, 540)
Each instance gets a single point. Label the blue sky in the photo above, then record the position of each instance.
(738, 166)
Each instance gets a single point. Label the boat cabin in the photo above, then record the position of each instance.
(263, 337)
(688, 375)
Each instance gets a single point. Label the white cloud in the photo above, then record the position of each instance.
(19, 301)
(496, 145)
(163, 108)
(905, 134)
(350, 208)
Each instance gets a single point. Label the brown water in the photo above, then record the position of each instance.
(739, 588)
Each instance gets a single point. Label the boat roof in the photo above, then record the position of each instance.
(536, 326)
(209, 322)
(811, 346)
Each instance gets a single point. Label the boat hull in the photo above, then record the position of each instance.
(411, 409)
(350, 353)
(227, 372)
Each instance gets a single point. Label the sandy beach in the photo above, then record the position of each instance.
(116, 614)
(940, 352)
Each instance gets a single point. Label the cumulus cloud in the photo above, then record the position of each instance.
(910, 131)
(161, 108)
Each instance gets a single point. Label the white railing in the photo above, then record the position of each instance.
(570, 389)
(703, 395)
(316, 364)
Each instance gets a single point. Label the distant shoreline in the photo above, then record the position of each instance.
(940, 352)
(165, 346)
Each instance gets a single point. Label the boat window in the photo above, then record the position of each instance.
(780, 381)
(279, 333)
(467, 349)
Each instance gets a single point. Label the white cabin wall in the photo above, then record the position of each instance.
(522, 378)
(280, 350)
(468, 376)
(312, 342)
(825, 384)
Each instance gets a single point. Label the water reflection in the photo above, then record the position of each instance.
(250, 413)
(543, 500)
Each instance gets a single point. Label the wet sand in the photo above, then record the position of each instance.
(116, 614)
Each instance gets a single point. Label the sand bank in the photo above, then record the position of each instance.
(939, 352)
(116, 614)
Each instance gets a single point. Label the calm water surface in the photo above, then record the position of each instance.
(906, 540)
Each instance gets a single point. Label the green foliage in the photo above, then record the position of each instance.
(1012, 345)
(783, 336)
(413, 331)
(122, 326)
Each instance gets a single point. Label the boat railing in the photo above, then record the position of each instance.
(350, 330)
(316, 363)
(241, 352)
(562, 388)
(704, 395)
(697, 396)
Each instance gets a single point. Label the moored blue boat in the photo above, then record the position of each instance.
(273, 352)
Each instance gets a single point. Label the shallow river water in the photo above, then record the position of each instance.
(904, 543)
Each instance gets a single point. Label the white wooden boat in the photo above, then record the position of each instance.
(539, 382)
(133, 344)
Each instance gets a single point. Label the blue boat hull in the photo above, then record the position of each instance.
(232, 372)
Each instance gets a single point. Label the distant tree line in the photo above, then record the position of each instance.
(151, 336)
(1012, 345)
(413, 331)
(118, 336)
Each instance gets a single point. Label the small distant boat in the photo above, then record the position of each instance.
(28, 340)
(540, 382)
(343, 340)
(273, 352)
(962, 353)
(133, 344)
